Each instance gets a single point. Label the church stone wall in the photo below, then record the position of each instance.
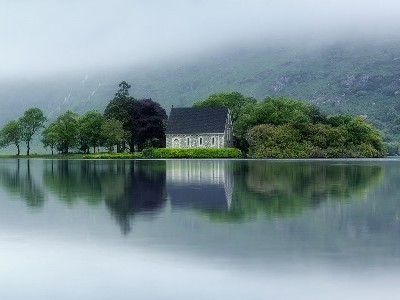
(196, 141)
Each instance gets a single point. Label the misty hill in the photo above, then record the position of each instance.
(357, 78)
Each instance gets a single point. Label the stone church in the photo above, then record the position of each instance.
(200, 127)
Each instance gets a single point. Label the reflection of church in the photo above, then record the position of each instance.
(200, 184)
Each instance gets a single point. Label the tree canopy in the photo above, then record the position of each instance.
(31, 121)
(273, 127)
(234, 101)
(286, 128)
(90, 130)
(144, 119)
(113, 133)
(66, 129)
(11, 134)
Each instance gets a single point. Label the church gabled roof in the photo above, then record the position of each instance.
(197, 120)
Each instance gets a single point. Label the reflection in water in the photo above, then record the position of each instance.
(127, 187)
(72, 180)
(200, 184)
(221, 189)
(17, 178)
(231, 190)
(287, 188)
(316, 237)
(143, 191)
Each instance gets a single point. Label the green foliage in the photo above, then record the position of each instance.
(65, 130)
(192, 153)
(276, 111)
(280, 141)
(357, 78)
(32, 120)
(234, 101)
(89, 130)
(50, 137)
(143, 119)
(11, 134)
(113, 133)
(283, 128)
(322, 141)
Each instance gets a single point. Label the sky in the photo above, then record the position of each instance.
(45, 36)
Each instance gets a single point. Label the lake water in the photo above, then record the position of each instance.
(209, 229)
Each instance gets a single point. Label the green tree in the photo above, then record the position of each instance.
(121, 108)
(31, 122)
(89, 130)
(282, 141)
(365, 138)
(234, 101)
(11, 134)
(66, 129)
(123, 91)
(148, 124)
(287, 128)
(274, 111)
(113, 133)
(144, 119)
(50, 137)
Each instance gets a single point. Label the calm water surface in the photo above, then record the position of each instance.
(199, 229)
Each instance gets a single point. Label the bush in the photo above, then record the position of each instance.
(192, 153)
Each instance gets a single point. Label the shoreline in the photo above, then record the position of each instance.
(138, 157)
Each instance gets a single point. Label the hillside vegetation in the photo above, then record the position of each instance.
(360, 78)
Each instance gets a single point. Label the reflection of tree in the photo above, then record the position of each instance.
(144, 191)
(279, 188)
(18, 180)
(72, 180)
(127, 187)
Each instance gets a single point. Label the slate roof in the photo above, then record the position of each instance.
(197, 120)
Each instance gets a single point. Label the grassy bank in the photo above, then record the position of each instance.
(145, 154)
(46, 156)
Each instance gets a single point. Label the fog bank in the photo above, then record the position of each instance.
(46, 37)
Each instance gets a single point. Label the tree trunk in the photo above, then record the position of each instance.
(18, 152)
(28, 148)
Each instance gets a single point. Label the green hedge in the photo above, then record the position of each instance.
(192, 153)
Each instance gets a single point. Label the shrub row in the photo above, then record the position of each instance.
(192, 153)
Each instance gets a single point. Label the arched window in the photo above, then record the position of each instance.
(200, 141)
(176, 143)
(188, 142)
(213, 141)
